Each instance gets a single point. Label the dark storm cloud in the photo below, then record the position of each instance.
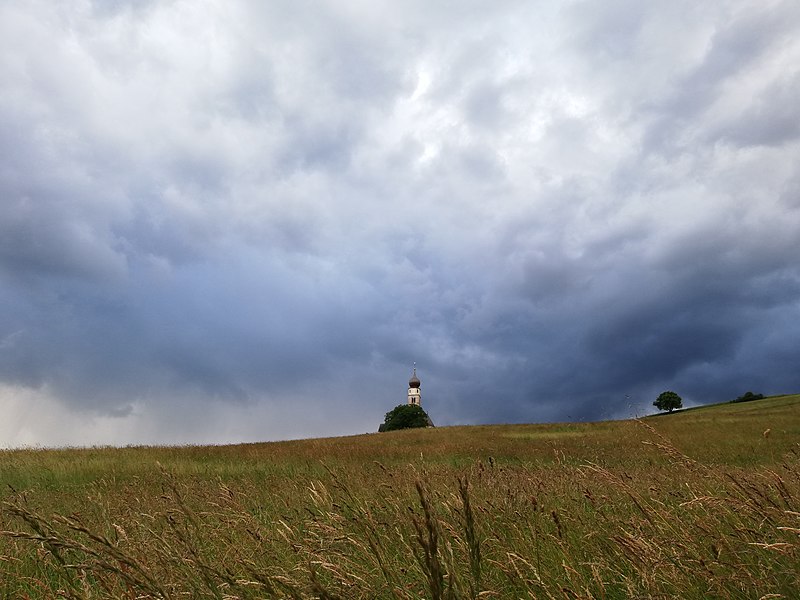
(244, 221)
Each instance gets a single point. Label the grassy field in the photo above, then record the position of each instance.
(704, 503)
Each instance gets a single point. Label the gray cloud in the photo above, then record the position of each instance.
(244, 221)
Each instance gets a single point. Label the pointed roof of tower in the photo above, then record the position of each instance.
(414, 381)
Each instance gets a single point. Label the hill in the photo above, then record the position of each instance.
(695, 504)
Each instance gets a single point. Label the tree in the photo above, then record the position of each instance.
(405, 416)
(668, 401)
(748, 396)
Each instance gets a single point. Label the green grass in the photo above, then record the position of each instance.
(695, 504)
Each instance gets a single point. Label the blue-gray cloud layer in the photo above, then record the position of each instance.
(557, 211)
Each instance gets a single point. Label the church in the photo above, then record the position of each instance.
(414, 396)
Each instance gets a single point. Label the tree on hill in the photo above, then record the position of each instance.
(748, 396)
(668, 401)
(405, 416)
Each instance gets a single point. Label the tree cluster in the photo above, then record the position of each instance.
(405, 416)
(748, 396)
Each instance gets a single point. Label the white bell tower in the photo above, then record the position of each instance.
(414, 395)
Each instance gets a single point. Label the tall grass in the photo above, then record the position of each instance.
(615, 511)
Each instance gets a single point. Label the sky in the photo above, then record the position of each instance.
(230, 221)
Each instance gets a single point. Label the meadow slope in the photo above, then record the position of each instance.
(697, 504)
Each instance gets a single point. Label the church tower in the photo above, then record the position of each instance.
(414, 395)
